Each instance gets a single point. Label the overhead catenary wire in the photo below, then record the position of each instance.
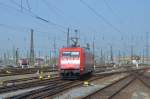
(32, 14)
(111, 9)
(10, 7)
(21, 28)
(21, 4)
(58, 12)
(25, 29)
(36, 16)
(108, 6)
(51, 7)
(27, 1)
(100, 16)
(14, 28)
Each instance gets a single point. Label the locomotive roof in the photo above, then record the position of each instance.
(74, 48)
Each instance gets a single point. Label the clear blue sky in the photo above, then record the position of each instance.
(131, 17)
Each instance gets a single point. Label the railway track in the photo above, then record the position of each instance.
(17, 81)
(55, 88)
(112, 89)
(19, 71)
(35, 83)
(145, 80)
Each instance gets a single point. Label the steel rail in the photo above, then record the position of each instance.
(125, 81)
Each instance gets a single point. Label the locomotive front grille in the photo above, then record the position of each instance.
(70, 73)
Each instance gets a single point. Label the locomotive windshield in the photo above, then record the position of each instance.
(70, 54)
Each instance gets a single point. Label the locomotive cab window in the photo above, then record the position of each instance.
(70, 54)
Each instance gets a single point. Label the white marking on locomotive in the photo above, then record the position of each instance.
(70, 62)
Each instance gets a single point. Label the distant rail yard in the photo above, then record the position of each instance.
(74, 49)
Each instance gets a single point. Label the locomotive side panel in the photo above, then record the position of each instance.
(88, 62)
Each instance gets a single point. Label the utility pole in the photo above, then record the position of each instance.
(101, 57)
(147, 48)
(131, 53)
(39, 54)
(119, 56)
(17, 56)
(54, 55)
(32, 49)
(94, 53)
(8, 56)
(131, 48)
(124, 58)
(111, 54)
(104, 55)
(143, 57)
(50, 58)
(68, 38)
(1, 59)
(27, 55)
(5, 59)
(14, 61)
(54, 51)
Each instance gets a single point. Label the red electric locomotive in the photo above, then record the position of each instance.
(75, 62)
